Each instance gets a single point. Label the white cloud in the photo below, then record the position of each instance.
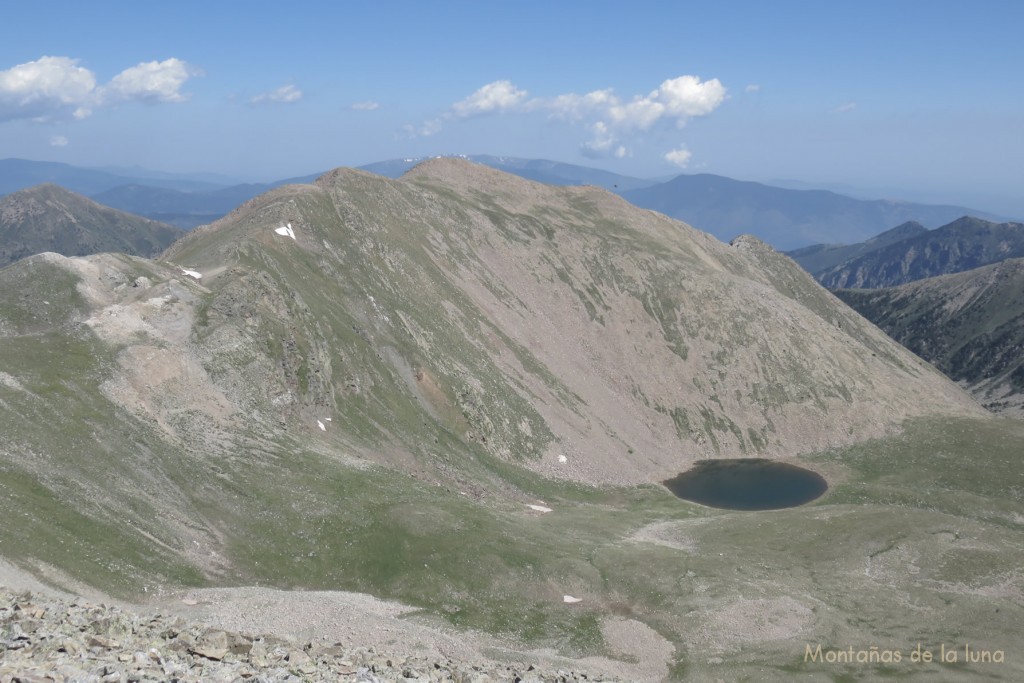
(286, 94)
(58, 141)
(46, 88)
(845, 107)
(150, 82)
(573, 107)
(676, 99)
(493, 97)
(603, 143)
(753, 87)
(680, 156)
(53, 88)
(430, 127)
(369, 105)
(611, 121)
(425, 129)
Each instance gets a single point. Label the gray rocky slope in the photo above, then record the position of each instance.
(78, 641)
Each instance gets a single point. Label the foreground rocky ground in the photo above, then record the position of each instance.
(74, 640)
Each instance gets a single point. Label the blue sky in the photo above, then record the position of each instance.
(921, 98)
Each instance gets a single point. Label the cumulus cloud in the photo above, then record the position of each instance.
(53, 88)
(603, 143)
(58, 141)
(676, 100)
(572, 107)
(493, 97)
(612, 122)
(368, 105)
(286, 94)
(424, 130)
(150, 82)
(679, 156)
(845, 107)
(50, 87)
(753, 87)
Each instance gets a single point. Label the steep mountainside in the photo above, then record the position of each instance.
(970, 325)
(819, 257)
(786, 219)
(964, 244)
(458, 391)
(50, 218)
(543, 301)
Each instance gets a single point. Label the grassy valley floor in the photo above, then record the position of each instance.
(917, 542)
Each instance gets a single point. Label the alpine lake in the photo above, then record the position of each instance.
(747, 484)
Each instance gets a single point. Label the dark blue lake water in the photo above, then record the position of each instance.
(747, 484)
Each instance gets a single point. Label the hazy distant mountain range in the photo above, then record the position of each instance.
(784, 218)
(539, 170)
(910, 252)
(50, 218)
(19, 174)
(165, 197)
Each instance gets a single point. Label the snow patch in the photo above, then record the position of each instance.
(539, 508)
(286, 231)
(562, 458)
(321, 426)
(192, 273)
(570, 600)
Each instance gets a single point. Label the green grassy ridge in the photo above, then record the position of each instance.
(37, 295)
(80, 475)
(959, 466)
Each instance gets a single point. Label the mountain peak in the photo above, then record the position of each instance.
(48, 217)
(456, 171)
